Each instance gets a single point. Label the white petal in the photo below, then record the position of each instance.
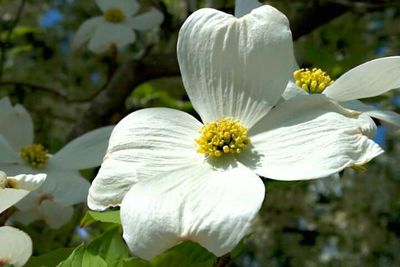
(147, 20)
(85, 32)
(213, 207)
(244, 7)
(16, 125)
(15, 246)
(28, 182)
(108, 34)
(309, 137)
(292, 90)
(7, 153)
(52, 212)
(129, 7)
(235, 67)
(144, 144)
(375, 112)
(84, 152)
(370, 79)
(65, 187)
(10, 196)
(55, 214)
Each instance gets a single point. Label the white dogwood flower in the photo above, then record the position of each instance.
(15, 247)
(116, 26)
(176, 178)
(13, 189)
(369, 79)
(64, 185)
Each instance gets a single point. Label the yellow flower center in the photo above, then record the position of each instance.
(34, 155)
(224, 136)
(312, 81)
(114, 15)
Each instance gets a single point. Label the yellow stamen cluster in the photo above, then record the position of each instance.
(34, 155)
(114, 15)
(224, 136)
(312, 81)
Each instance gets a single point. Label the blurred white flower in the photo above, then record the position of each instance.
(15, 247)
(64, 185)
(369, 79)
(178, 179)
(13, 189)
(117, 25)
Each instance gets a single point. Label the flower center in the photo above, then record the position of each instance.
(224, 136)
(114, 15)
(312, 81)
(34, 155)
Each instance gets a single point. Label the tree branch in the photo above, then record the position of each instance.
(125, 80)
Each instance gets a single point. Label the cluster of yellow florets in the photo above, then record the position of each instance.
(224, 136)
(114, 15)
(312, 81)
(35, 155)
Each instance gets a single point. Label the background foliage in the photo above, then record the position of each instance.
(349, 221)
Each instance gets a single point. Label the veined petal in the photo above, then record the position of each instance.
(10, 196)
(235, 67)
(17, 125)
(84, 152)
(143, 145)
(147, 20)
(370, 79)
(375, 112)
(213, 207)
(244, 7)
(108, 34)
(15, 246)
(309, 137)
(129, 7)
(85, 32)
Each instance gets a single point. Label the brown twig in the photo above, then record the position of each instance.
(124, 81)
(223, 261)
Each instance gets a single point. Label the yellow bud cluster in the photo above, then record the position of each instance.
(312, 81)
(224, 136)
(114, 15)
(34, 155)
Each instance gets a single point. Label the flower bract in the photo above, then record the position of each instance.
(169, 172)
(15, 247)
(117, 25)
(64, 186)
(369, 79)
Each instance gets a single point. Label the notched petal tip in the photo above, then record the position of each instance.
(235, 67)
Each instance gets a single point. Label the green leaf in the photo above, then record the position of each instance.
(105, 217)
(110, 247)
(82, 257)
(50, 259)
(134, 262)
(187, 254)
